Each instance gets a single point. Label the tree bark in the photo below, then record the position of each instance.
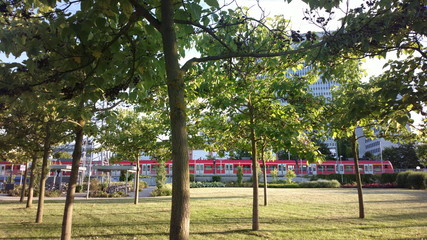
(358, 178)
(265, 182)
(24, 184)
(255, 216)
(31, 186)
(135, 201)
(43, 177)
(180, 214)
(69, 202)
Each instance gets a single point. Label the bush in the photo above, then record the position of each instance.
(54, 193)
(161, 192)
(142, 185)
(417, 180)
(388, 178)
(79, 188)
(239, 174)
(206, 184)
(348, 178)
(320, 184)
(289, 175)
(281, 185)
(401, 179)
(216, 178)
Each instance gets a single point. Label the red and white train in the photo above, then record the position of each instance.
(229, 167)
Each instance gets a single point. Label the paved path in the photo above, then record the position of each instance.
(144, 193)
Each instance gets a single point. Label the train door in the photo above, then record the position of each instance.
(368, 169)
(312, 169)
(146, 169)
(2, 170)
(339, 168)
(228, 168)
(281, 168)
(199, 168)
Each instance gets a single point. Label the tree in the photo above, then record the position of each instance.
(402, 157)
(128, 134)
(110, 45)
(244, 97)
(356, 107)
(422, 154)
(62, 155)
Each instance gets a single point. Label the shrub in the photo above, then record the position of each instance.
(54, 193)
(216, 178)
(142, 185)
(274, 174)
(417, 180)
(348, 178)
(239, 174)
(320, 184)
(289, 175)
(401, 179)
(79, 188)
(161, 192)
(206, 184)
(388, 178)
(94, 185)
(281, 185)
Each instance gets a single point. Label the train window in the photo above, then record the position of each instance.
(290, 167)
(219, 167)
(321, 168)
(208, 167)
(330, 168)
(349, 168)
(273, 167)
(385, 166)
(191, 167)
(377, 168)
(246, 167)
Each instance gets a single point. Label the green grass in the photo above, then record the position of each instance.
(225, 213)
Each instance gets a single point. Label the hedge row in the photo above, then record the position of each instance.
(366, 178)
(412, 180)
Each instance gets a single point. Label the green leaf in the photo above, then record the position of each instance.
(212, 3)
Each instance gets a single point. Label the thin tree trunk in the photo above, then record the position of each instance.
(358, 178)
(255, 216)
(69, 202)
(31, 186)
(43, 177)
(135, 201)
(264, 170)
(24, 184)
(180, 214)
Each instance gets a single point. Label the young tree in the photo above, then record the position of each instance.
(355, 105)
(128, 134)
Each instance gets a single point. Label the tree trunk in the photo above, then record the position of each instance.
(264, 170)
(69, 202)
(43, 177)
(358, 179)
(31, 186)
(255, 217)
(180, 215)
(135, 201)
(24, 184)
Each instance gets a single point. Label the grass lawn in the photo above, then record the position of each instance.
(225, 213)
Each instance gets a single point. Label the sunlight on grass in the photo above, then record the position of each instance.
(225, 213)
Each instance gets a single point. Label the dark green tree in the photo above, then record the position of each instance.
(402, 157)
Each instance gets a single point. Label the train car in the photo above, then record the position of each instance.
(229, 167)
